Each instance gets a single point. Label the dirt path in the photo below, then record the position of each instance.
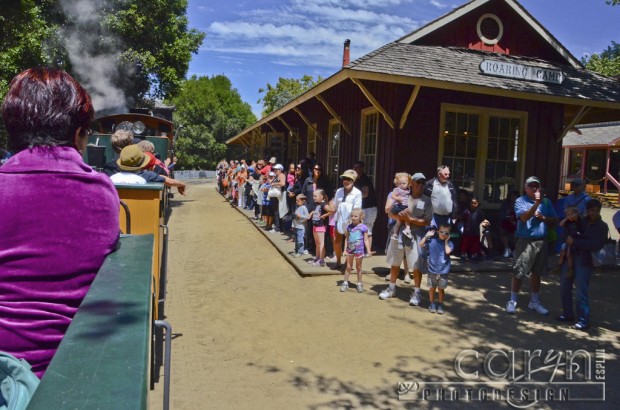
(250, 333)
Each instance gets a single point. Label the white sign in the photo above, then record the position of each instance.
(521, 72)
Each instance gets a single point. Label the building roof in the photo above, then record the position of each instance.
(472, 5)
(462, 66)
(607, 134)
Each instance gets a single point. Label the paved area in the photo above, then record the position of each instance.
(250, 332)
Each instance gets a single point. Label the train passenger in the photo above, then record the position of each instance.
(62, 217)
(119, 140)
(159, 168)
(134, 164)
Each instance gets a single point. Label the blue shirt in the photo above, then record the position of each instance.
(579, 201)
(438, 261)
(533, 228)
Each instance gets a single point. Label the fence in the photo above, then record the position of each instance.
(185, 175)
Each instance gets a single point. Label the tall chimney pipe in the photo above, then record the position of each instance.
(346, 56)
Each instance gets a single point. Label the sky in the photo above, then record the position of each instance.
(254, 42)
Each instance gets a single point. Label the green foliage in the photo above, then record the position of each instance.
(285, 90)
(212, 112)
(607, 62)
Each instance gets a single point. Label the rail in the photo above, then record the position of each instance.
(103, 361)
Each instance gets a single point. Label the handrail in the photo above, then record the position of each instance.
(103, 359)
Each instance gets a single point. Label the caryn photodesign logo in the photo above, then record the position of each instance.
(520, 378)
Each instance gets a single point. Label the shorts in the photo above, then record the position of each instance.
(356, 255)
(436, 280)
(267, 210)
(370, 216)
(530, 256)
(319, 229)
(394, 256)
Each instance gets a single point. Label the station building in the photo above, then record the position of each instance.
(485, 89)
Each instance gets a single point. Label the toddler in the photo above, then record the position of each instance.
(438, 250)
(299, 224)
(573, 228)
(356, 237)
(400, 196)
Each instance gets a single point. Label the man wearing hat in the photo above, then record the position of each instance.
(133, 163)
(534, 217)
(418, 215)
(578, 198)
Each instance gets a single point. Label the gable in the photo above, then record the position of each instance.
(499, 26)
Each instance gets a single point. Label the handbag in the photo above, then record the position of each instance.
(606, 256)
(17, 382)
(274, 192)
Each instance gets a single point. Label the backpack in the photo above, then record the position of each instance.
(17, 382)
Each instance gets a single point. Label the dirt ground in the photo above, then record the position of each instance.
(250, 333)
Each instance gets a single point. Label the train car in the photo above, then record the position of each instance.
(157, 130)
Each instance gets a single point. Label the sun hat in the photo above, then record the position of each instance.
(418, 176)
(349, 173)
(278, 166)
(272, 160)
(132, 159)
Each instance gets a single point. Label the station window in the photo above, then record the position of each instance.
(368, 146)
(484, 149)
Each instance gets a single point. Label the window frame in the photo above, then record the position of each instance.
(370, 170)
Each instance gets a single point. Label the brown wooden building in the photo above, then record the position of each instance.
(484, 89)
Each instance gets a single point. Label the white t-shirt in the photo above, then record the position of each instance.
(441, 198)
(344, 206)
(127, 178)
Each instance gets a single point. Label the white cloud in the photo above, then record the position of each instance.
(439, 4)
(310, 32)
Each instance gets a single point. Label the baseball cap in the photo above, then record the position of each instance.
(272, 160)
(418, 176)
(272, 174)
(532, 180)
(278, 166)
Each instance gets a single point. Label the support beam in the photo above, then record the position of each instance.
(334, 114)
(374, 102)
(288, 127)
(272, 127)
(582, 112)
(308, 123)
(412, 98)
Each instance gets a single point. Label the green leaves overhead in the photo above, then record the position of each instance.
(607, 62)
(284, 91)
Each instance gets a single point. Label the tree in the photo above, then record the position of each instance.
(285, 90)
(211, 111)
(607, 62)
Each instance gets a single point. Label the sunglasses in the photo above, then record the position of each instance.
(445, 232)
(533, 185)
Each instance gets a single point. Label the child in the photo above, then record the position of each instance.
(319, 225)
(400, 196)
(470, 242)
(438, 250)
(299, 224)
(356, 237)
(572, 227)
(266, 209)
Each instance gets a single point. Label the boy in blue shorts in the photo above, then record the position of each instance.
(438, 248)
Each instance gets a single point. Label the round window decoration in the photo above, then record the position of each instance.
(490, 28)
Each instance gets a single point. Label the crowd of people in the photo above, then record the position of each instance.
(428, 221)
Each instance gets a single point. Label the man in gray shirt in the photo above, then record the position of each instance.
(442, 193)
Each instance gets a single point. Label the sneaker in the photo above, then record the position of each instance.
(297, 255)
(387, 293)
(581, 326)
(538, 307)
(344, 287)
(440, 308)
(415, 299)
(311, 261)
(511, 307)
(407, 233)
(387, 278)
(306, 252)
(407, 278)
(507, 253)
(432, 308)
(360, 288)
(330, 259)
(318, 263)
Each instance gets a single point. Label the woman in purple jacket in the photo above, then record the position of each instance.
(59, 217)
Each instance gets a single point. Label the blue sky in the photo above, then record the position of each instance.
(254, 42)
